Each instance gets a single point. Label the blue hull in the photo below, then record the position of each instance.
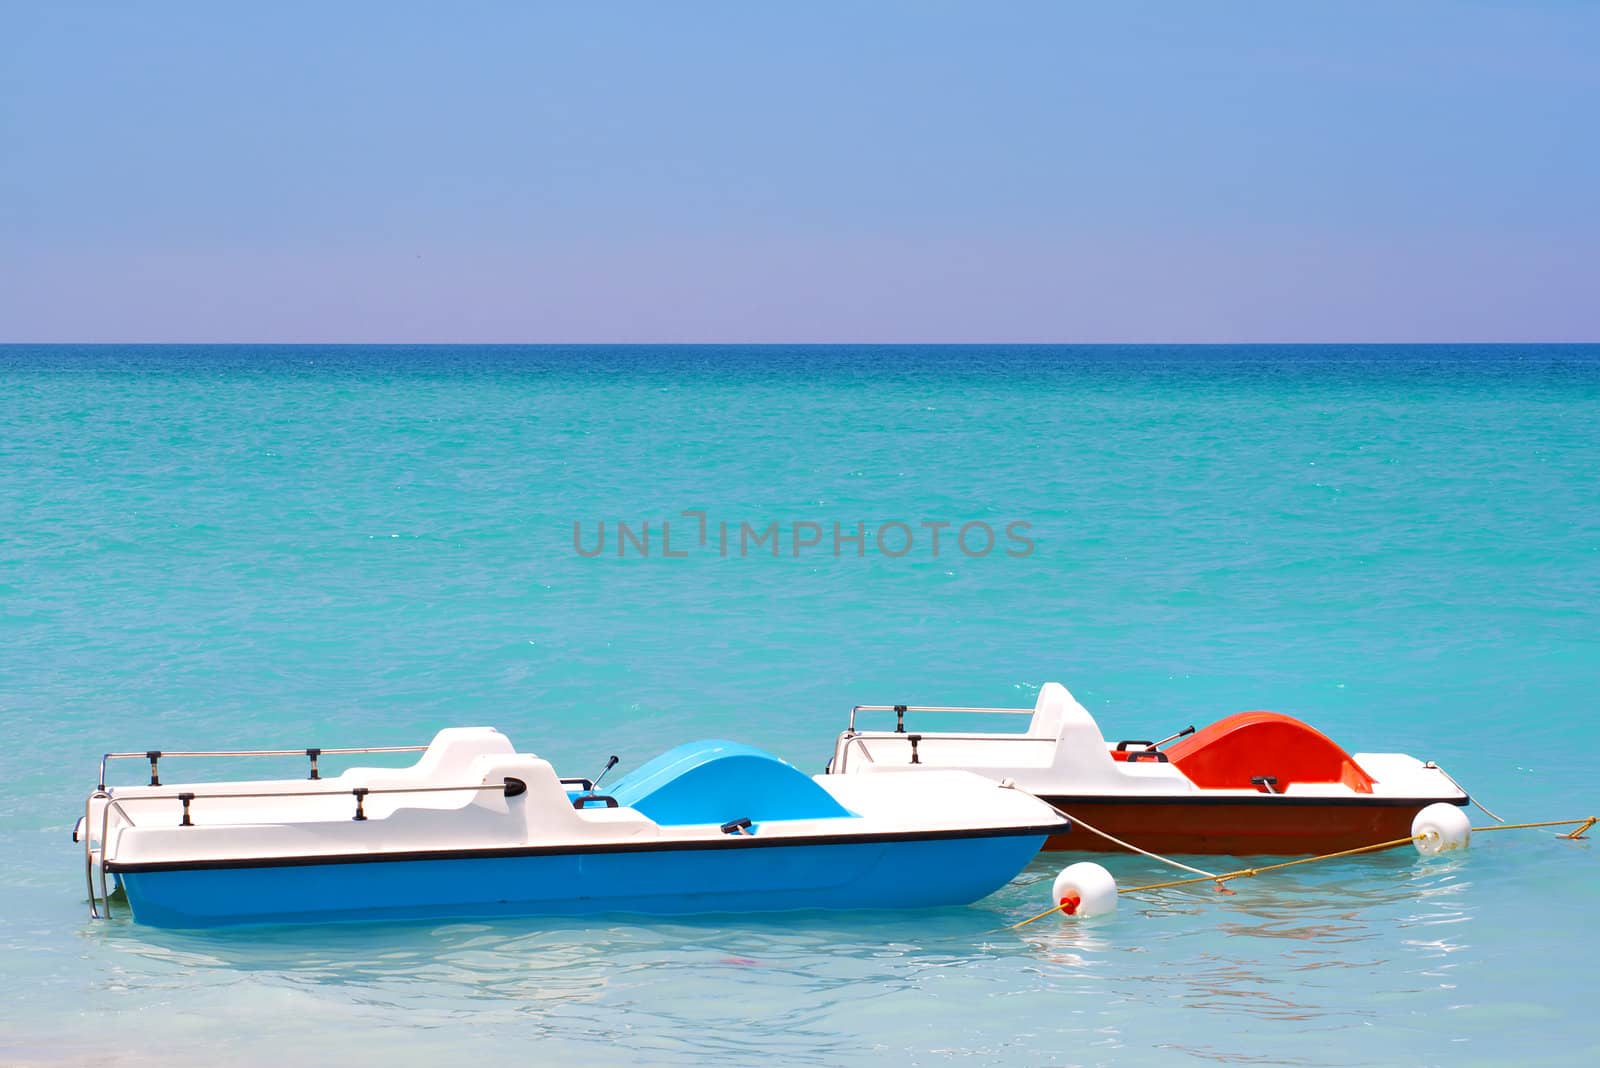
(864, 875)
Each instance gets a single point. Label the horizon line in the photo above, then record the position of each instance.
(790, 344)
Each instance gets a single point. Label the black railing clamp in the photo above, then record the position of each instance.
(899, 719)
(186, 797)
(313, 754)
(361, 796)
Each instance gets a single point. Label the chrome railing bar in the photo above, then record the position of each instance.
(88, 851)
(889, 736)
(845, 752)
(271, 752)
(105, 825)
(860, 738)
(943, 708)
(313, 752)
(901, 710)
(195, 795)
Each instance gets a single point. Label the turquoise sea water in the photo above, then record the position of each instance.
(244, 547)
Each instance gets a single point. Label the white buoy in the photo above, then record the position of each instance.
(1084, 889)
(1442, 827)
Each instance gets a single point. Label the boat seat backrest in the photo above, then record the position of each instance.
(1058, 715)
(543, 785)
(546, 805)
(446, 762)
(543, 808)
(1081, 754)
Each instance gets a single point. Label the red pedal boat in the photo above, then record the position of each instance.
(1251, 783)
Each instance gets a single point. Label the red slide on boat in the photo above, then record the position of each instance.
(1242, 750)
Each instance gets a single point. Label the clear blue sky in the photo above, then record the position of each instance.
(341, 171)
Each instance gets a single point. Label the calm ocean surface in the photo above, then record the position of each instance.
(245, 547)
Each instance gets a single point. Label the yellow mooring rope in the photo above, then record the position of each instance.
(1245, 873)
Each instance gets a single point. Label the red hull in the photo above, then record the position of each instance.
(1238, 826)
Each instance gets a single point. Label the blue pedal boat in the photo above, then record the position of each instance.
(476, 829)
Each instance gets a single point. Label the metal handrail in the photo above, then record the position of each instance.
(859, 739)
(901, 710)
(844, 753)
(105, 826)
(194, 795)
(312, 753)
(88, 851)
(888, 736)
